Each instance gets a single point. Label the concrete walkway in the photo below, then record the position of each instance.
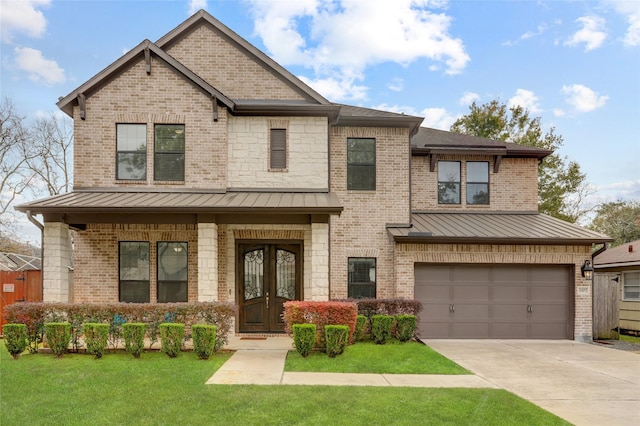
(261, 362)
(583, 383)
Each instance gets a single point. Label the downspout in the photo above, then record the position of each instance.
(41, 226)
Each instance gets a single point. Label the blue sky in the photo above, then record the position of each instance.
(576, 64)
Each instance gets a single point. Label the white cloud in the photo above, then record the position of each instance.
(38, 67)
(468, 98)
(339, 39)
(437, 118)
(592, 33)
(528, 35)
(559, 112)
(397, 85)
(582, 98)
(22, 16)
(631, 10)
(337, 89)
(526, 99)
(626, 190)
(196, 5)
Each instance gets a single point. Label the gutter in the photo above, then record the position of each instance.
(41, 226)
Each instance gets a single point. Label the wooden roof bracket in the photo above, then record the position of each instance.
(147, 59)
(432, 162)
(214, 101)
(82, 101)
(497, 159)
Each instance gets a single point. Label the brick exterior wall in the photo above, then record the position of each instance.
(409, 254)
(162, 97)
(513, 188)
(360, 231)
(228, 69)
(307, 156)
(96, 258)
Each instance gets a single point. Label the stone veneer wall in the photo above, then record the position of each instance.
(513, 188)
(360, 231)
(134, 97)
(96, 258)
(307, 157)
(409, 254)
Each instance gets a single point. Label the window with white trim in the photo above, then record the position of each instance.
(631, 285)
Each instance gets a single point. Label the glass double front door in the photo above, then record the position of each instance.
(269, 274)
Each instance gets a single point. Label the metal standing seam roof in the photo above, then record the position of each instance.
(517, 228)
(627, 254)
(184, 202)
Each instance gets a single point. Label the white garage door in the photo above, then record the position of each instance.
(494, 301)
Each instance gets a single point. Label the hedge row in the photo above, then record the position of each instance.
(392, 307)
(321, 314)
(35, 315)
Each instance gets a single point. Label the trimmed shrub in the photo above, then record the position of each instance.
(405, 327)
(95, 338)
(58, 335)
(35, 314)
(337, 339)
(361, 324)
(320, 314)
(133, 333)
(304, 337)
(15, 338)
(171, 335)
(204, 339)
(381, 328)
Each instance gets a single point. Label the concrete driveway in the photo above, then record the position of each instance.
(583, 383)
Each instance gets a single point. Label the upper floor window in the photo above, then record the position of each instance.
(278, 149)
(133, 265)
(172, 271)
(448, 182)
(361, 163)
(169, 152)
(477, 182)
(131, 146)
(631, 286)
(362, 277)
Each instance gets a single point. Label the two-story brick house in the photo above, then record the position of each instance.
(205, 171)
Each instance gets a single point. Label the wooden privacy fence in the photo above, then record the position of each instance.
(19, 286)
(606, 300)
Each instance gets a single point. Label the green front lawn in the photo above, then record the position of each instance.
(154, 390)
(632, 339)
(367, 357)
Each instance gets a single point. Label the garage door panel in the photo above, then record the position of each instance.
(471, 293)
(508, 330)
(492, 301)
(510, 274)
(475, 312)
(550, 273)
(478, 274)
(470, 330)
(503, 292)
(544, 293)
(512, 312)
(433, 292)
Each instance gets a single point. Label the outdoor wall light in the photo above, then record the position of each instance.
(587, 270)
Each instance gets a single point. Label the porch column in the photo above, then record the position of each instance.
(55, 268)
(319, 262)
(207, 262)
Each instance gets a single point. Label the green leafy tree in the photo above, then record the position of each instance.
(562, 186)
(618, 219)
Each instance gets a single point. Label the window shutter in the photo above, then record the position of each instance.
(278, 147)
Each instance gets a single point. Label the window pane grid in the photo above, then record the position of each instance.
(448, 182)
(172, 271)
(631, 286)
(477, 182)
(361, 277)
(169, 156)
(134, 271)
(131, 156)
(361, 164)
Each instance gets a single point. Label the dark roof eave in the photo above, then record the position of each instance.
(260, 109)
(181, 210)
(479, 150)
(479, 240)
(413, 123)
